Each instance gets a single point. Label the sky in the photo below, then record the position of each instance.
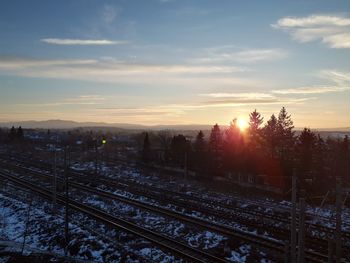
(175, 61)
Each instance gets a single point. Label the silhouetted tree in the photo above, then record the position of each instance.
(286, 133)
(254, 148)
(179, 149)
(286, 141)
(343, 159)
(164, 139)
(200, 149)
(215, 147)
(19, 133)
(306, 149)
(321, 162)
(254, 130)
(271, 136)
(233, 148)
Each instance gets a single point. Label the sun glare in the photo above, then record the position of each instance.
(242, 124)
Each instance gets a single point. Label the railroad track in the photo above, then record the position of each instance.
(233, 233)
(235, 215)
(186, 201)
(228, 205)
(141, 190)
(228, 215)
(176, 247)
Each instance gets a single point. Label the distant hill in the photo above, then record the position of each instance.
(343, 129)
(64, 124)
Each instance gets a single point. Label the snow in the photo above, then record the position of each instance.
(130, 176)
(45, 231)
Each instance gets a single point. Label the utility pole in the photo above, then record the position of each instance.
(293, 236)
(301, 235)
(286, 252)
(96, 159)
(27, 223)
(66, 228)
(185, 166)
(54, 184)
(338, 203)
(330, 250)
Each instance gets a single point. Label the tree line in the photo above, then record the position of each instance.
(273, 149)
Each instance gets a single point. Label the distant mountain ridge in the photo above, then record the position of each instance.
(67, 124)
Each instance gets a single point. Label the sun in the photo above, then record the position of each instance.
(242, 124)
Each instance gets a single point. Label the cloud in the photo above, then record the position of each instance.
(114, 71)
(314, 21)
(9, 64)
(176, 110)
(249, 95)
(311, 90)
(226, 54)
(82, 42)
(338, 77)
(161, 110)
(340, 82)
(239, 99)
(334, 31)
(80, 100)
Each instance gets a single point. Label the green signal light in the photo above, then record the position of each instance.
(104, 141)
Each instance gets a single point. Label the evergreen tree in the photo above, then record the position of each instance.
(254, 148)
(233, 147)
(179, 149)
(215, 147)
(343, 159)
(255, 122)
(199, 147)
(285, 132)
(19, 133)
(286, 142)
(12, 134)
(270, 135)
(306, 153)
(199, 144)
(321, 162)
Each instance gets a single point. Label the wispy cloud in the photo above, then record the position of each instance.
(80, 100)
(82, 42)
(161, 110)
(311, 90)
(253, 102)
(110, 70)
(334, 31)
(252, 98)
(249, 95)
(13, 64)
(340, 82)
(339, 77)
(227, 54)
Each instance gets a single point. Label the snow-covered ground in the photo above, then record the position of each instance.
(203, 239)
(89, 241)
